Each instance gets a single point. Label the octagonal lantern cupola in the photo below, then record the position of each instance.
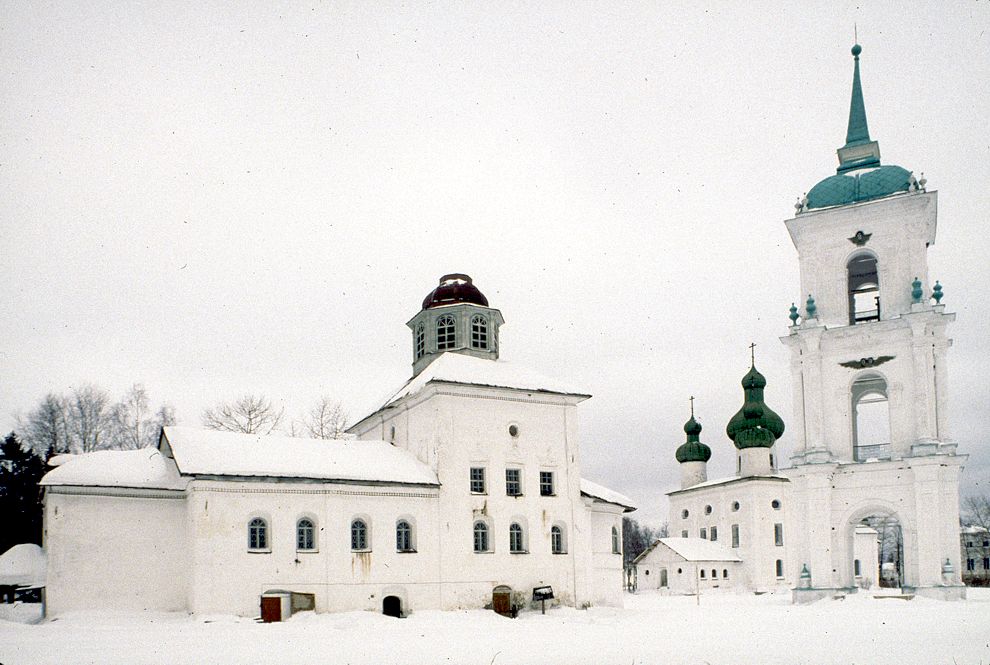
(455, 318)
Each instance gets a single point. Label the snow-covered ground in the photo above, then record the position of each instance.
(651, 629)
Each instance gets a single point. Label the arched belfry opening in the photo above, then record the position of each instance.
(870, 418)
(864, 289)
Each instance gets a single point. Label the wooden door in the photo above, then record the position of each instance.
(502, 603)
(271, 609)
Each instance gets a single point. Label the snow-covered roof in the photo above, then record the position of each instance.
(973, 529)
(694, 549)
(596, 491)
(23, 565)
(732, 479)
(210, 453)
(146, 468)
(460, 368)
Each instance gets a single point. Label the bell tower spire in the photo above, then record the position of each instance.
(859, 151)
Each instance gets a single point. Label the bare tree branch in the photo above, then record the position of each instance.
(325, 420)
(976, 510)
(249, 414)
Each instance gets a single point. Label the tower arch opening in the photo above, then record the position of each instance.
(870, 418)
(864, 288)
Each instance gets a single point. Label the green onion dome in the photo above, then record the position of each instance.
(755, 425)
(693, 450)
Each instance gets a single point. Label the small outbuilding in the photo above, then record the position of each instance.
(22, 569)
(687, 566)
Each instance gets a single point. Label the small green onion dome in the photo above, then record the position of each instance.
(693, 450)
(755, 425)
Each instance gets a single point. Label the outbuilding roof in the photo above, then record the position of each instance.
(596, 491)
(693, 549)
(146, 468)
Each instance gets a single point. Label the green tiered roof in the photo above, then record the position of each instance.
(755, 425)
(871, 180)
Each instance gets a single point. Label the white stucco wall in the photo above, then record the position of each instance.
(119, 549)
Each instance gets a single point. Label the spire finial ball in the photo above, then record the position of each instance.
(856, 50)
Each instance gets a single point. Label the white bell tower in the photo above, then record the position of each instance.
(868, 371)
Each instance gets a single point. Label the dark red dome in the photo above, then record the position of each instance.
(454, 288)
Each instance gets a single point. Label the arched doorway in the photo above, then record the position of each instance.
(392, 606)
(871, 418)
(876, 553)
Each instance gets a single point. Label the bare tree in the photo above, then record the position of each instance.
(134, 426)
(976, 510)
(89, 419)
(250, 414)
(45, 429)
(326, 420)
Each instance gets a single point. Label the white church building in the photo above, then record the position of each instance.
(870, 415)
(463, 490)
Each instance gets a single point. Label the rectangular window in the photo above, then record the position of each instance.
(986, 563)
(713, 531)
(970, 564)
(778, 534)
(477, 480)
(684, 534)
(513, 482)
(546, 483)
(780, 568)
(704, 533)
(857, 570)
(735, 535)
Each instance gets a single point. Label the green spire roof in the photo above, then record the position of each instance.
(860, 176)
(858, 132)
(693, 450)
(755, 425)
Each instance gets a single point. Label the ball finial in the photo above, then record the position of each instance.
(856, 50)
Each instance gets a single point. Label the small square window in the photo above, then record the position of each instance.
(477, 480)
(513, 482)
(704, 533)
(684, 534)
(546, 483)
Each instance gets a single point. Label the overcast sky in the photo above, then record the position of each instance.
(220, 199)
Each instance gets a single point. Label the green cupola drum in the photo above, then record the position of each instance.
(693, 455)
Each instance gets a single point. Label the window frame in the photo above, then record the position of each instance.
(558, 544)
(517, 539)
(300, 535)
(515, 483)
(405, 534)
(360, 536)
(419, 341)
(546, 481)
(446, 329)
(481, 537)
(778, 534)
(479, 332)
(735, 535)
(480, 481)
(258, 536)
(616, 541)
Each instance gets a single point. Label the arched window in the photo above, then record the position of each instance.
(725, 573)
(516, 543)
(557, 540)
(871, 418)
(702, 573)
(480, 537)
(257, 534)
(403, 536)
(445, 333)
(359, 535)
(305, 534)
(616, 543)
(864, 289)
(420, 341)
(479, 332)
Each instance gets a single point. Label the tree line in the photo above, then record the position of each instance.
(86, 419)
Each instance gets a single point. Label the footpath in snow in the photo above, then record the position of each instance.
(651, 629)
